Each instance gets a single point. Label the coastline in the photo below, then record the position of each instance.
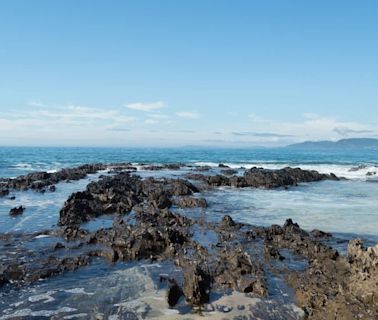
(259, 254)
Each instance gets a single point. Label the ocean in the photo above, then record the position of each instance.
(15, 161)
(347, 208)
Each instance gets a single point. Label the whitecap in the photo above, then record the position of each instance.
(45, 297)
(42, 236)
(78, 291)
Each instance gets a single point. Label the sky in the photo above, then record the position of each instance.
(175, 73)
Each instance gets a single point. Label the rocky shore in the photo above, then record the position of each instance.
(237, 257)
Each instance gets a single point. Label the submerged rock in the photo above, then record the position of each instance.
(17, 211)
(4, 192)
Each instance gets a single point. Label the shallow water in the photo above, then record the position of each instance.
(42, 209)
(132, 291)
(344, 207)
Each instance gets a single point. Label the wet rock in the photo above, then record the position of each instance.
(161, 201)
(197, 284)
(365, 258)
(320, 234)
(229, 172)
(360, 167)
(80, 207)
(17, 211)
(174, 293)
(259, 177)
(371, 173)
(264, 178)
(168, 166)
(257, 287)
(119, 167)
(202, 168)
(59, 245)
(12, 272)
(40, 180)
(218, 180)
(52, 188)
(120, 194)
(272, 252)
(221, 165)
(227, 222)
(4, 192)
(153, 168)
(174, 166)
(182, 187)
(235, 269)
(190, 202)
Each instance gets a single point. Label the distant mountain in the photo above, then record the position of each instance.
(354, 143)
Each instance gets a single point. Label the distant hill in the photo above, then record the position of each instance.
(354, 143)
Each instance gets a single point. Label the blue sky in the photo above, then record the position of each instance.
(199, 72)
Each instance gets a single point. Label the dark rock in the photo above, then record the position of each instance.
(17, 211)
(221, 165)
(320, 234)
(257, 287)
(264, 178)
(121, 193)
(272, 252)
(80, 207)
(360, 167)
(182, 188)
(197, 284)
(202, 168)
(227, 222)
(258, 177)
(40, 180)
(52, 188)
(4, 192)
(229, 172)
(174, 293)
(59, 245)
(190, 202)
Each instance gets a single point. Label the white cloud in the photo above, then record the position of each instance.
(81, 114)
(71, 124)
(36, 103)
(188, 115)
(146, 107)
